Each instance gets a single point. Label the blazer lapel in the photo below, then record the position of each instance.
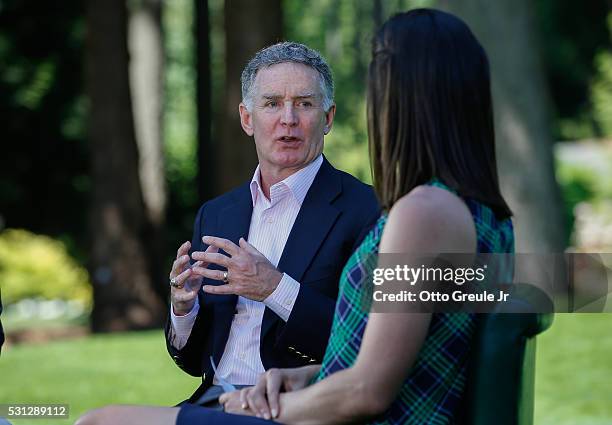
(314, 221)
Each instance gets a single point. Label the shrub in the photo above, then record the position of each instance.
(36, 266)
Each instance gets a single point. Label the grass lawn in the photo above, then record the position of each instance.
(91, 372)
(573, 382)
(574, 371)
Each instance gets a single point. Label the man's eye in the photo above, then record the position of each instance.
(271, 104)
(305, 104)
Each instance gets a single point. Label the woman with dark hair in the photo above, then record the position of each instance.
(430, 126)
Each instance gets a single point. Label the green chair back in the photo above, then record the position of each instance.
(501, 373)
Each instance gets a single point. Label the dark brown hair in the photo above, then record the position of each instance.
(429, 109)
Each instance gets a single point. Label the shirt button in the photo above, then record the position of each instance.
(288, 301)
(242, 356)
(270, 221)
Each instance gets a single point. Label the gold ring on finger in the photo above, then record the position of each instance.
(175, 283)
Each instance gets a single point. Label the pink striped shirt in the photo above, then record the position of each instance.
(271, 223)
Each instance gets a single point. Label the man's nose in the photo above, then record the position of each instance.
(289, 115)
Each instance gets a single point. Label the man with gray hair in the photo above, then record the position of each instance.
(257, 285)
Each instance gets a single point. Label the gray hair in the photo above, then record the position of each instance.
(282, 53)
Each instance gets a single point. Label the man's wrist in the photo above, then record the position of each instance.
(276, 278)
(183, 310)
(181, 313)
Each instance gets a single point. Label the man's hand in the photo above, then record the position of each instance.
(263, 398)
(183, 295)
(249, 273)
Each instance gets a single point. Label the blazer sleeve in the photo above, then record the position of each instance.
(189, 358)
(307, 331)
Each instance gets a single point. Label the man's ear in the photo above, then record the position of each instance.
(246, 119)
(329, 119)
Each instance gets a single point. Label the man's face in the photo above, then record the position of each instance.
(287, 119)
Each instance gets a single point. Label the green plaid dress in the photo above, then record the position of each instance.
(432, 391)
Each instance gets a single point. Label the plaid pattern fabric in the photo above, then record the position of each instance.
(433, 389)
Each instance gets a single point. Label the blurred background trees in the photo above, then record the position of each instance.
(120, 118)
(522, 102)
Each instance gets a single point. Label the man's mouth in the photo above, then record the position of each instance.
(288, 139)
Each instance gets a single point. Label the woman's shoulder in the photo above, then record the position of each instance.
(433, 218)
(433, 204)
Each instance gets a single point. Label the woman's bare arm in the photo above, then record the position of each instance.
(428, 220)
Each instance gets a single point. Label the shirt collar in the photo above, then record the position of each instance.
(298, 182)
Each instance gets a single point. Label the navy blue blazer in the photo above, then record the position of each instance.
(337, 212)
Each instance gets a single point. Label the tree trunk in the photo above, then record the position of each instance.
(206, 150)
(145, 40)
(377, 14)
(119, 266)
(522, 119)
(249, 27)
(146, 83)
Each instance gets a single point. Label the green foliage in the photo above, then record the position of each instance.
(31, 94)
(584, 175)
(36, 266)
(601, 90)
(577, 185)
(347, 147)
(180, 124)
(570, 36)
(180, 109)
(44, 168)
(586, 180)
(342, 31)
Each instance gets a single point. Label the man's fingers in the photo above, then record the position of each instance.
(183, 249)
(221, 243)
(215, 258)
(197, 254)
(212, 248)
(211, 274)
(220, 290)
(179, 264)
(247, 246)
(182, 277)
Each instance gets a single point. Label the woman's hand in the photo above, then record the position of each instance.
(232, 403)
(263, 398)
